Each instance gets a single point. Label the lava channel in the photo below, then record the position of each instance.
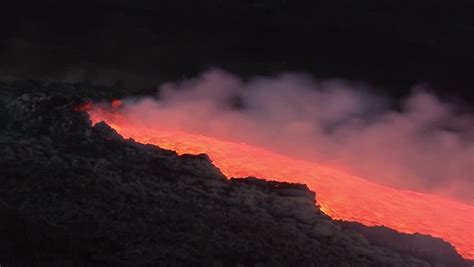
(339, 194)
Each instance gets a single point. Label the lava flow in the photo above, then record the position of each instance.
(340, 195)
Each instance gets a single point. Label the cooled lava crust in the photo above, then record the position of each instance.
(73, 194)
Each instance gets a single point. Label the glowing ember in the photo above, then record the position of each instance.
(340, 195)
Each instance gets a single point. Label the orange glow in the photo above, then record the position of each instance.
(340, 195)
(116, 103)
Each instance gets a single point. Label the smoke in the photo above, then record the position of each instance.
(424, 146)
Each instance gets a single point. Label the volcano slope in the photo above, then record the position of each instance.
(73, 194)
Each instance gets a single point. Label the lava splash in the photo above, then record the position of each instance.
(339, 194)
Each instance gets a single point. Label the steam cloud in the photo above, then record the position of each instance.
(426, 146)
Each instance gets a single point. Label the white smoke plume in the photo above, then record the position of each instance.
(425, 146)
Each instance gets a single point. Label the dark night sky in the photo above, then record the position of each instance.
(386, 43)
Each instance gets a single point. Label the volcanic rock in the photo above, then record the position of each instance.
(73, 194)
(433, 250)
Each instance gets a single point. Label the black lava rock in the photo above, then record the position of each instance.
(76, 195)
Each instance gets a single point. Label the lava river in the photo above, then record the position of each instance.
(340, 195)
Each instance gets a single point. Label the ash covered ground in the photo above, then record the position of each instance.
(73, 194)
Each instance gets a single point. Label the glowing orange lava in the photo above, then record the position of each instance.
(340, 195)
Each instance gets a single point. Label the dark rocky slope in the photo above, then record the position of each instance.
(433, 250)
(76, 195)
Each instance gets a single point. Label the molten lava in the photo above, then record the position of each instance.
(340, 195)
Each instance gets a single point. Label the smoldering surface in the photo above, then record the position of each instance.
(426, 145)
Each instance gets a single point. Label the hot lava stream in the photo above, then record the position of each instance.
(340, 195)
